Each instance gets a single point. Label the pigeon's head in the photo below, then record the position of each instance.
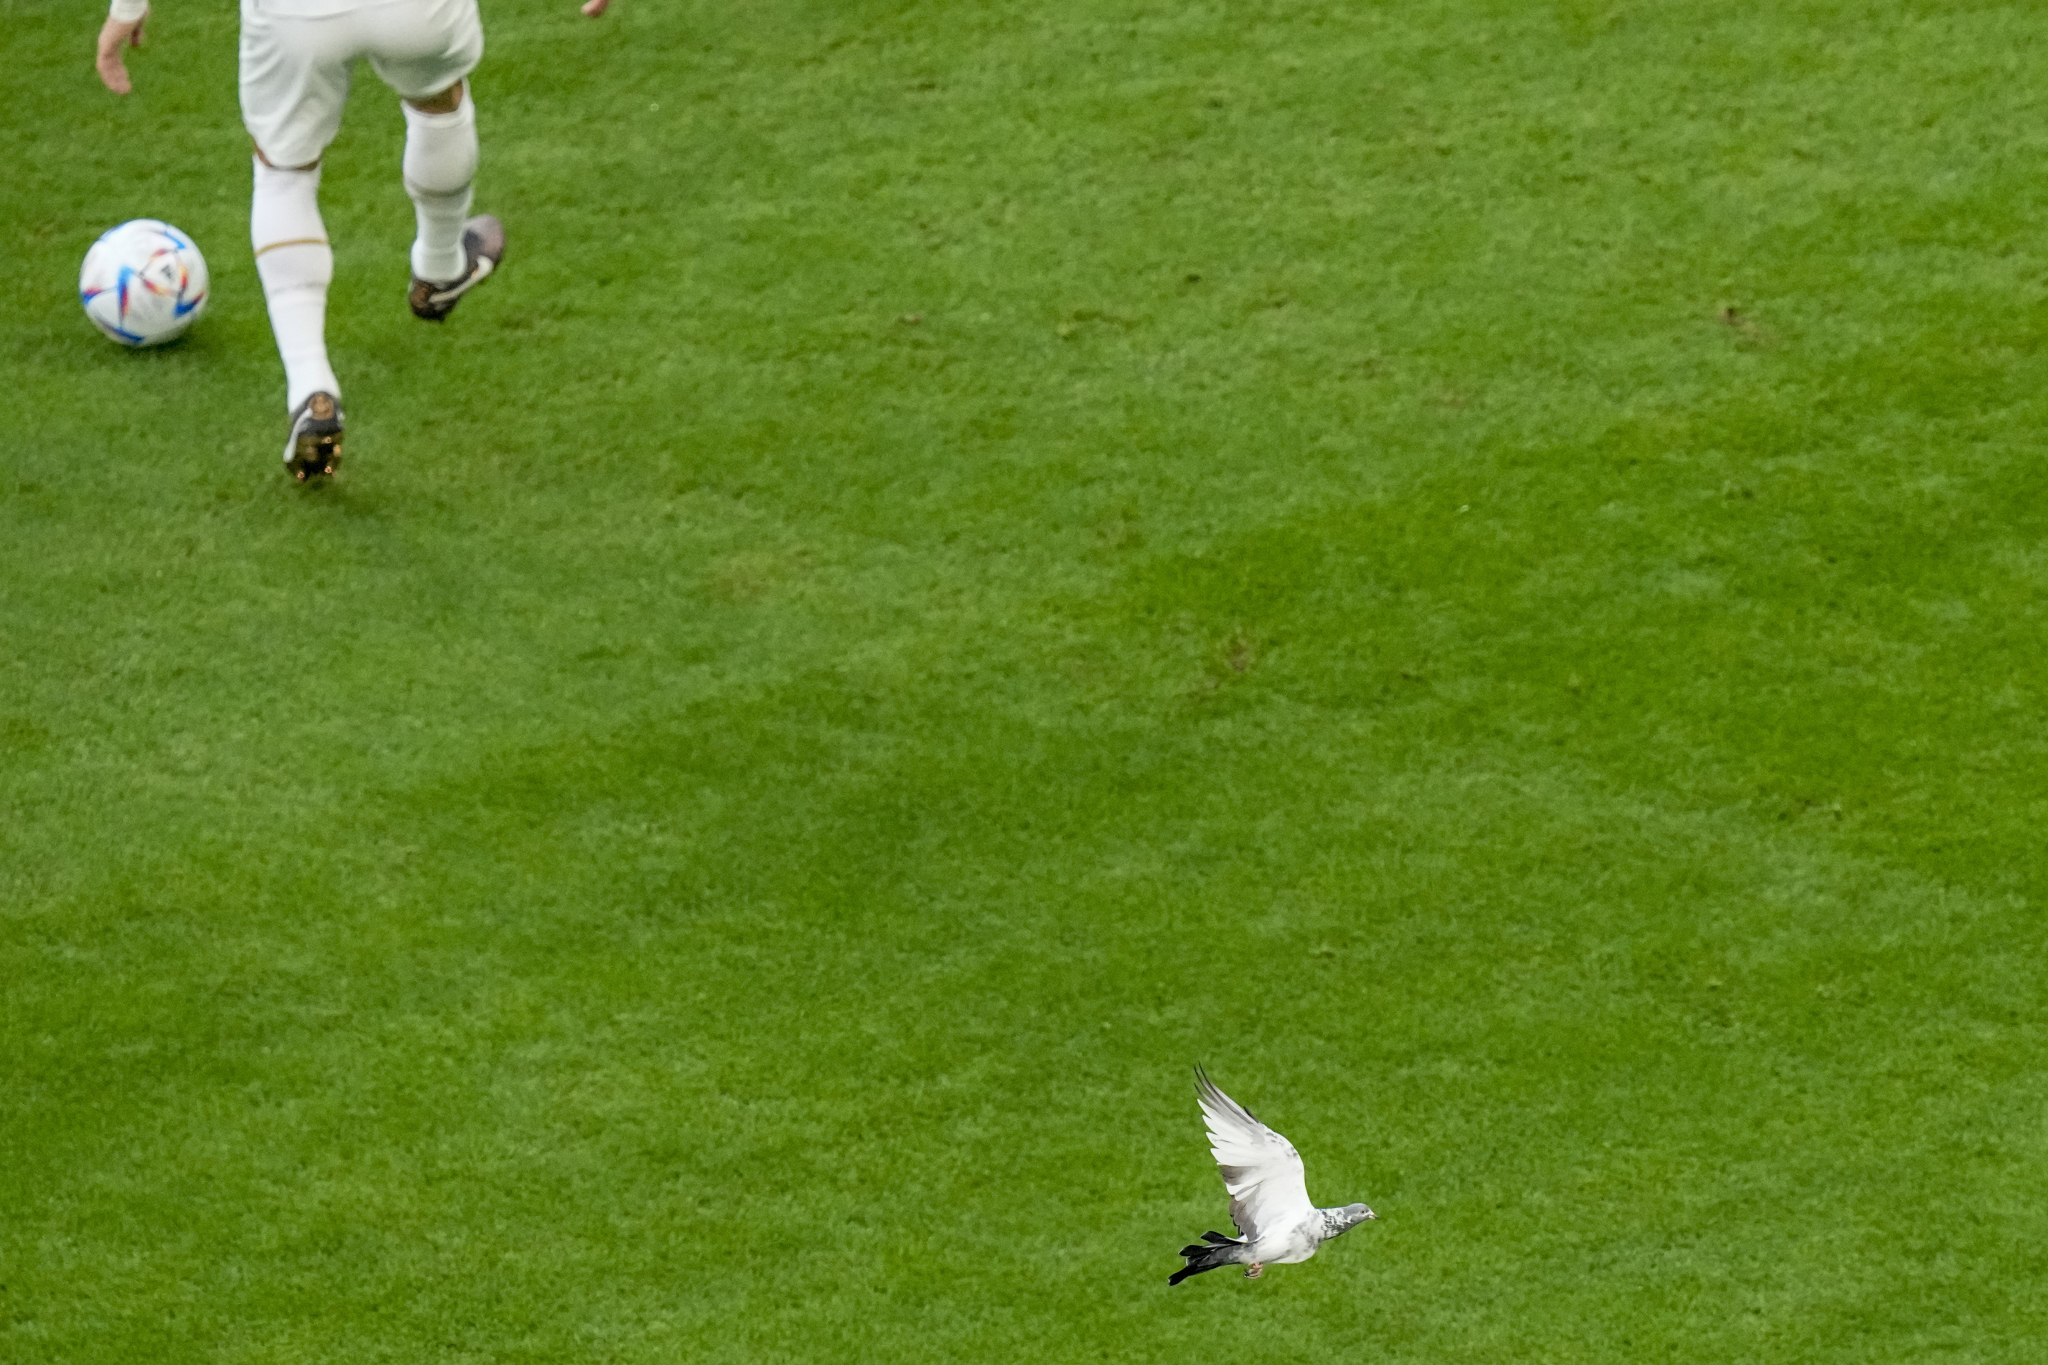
(1351, 1215)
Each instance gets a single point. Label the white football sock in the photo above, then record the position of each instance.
(440, 162)
(296, 265)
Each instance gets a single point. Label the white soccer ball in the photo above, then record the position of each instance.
(144, 283)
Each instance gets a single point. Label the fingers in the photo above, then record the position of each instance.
(593, 8)
(115, 35)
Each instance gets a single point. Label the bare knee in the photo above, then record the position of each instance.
(447, 102)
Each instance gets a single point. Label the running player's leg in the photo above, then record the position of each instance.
(426, 54)
(440, 167)
(296, 265)
(294, 81)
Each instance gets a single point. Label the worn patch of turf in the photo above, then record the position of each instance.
(1478, 567)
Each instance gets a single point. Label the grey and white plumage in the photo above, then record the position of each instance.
(1269, 1203)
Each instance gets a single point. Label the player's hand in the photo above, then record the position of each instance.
(115, 35)
(593, 8)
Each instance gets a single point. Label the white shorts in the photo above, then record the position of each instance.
(295, 65)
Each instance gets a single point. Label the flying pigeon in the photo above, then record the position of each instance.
(1276, 1223)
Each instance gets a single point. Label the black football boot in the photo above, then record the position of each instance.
(313, 450)
(483, 248)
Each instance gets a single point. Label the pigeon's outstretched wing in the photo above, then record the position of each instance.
(1260, 1168)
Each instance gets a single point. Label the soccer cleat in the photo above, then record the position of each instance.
(483, 247)
(314, 448)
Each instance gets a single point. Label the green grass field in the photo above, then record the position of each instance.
(1477, 567)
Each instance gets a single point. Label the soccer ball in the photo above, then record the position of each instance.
(144, 283)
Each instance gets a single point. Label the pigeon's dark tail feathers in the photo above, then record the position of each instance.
(1215, 1249)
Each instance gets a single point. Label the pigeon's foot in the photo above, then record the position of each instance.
(1256, 1269)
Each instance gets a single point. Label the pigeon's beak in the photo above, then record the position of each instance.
(1370, 1214)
